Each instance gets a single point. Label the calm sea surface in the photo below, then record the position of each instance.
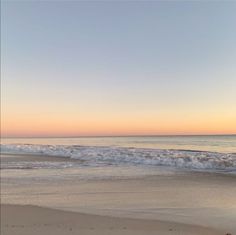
(214, 143)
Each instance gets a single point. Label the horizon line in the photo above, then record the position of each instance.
(107, 136)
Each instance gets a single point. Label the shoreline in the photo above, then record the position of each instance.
(25, 158)
(29, 219)
(191, 200)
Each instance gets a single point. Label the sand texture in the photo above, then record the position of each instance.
(27, 220)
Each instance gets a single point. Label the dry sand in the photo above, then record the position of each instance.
(33, 220)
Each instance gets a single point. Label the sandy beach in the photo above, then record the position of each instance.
(28, 220)
(83, 202)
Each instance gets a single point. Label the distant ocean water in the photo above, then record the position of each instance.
(213, 143)
(216, 152)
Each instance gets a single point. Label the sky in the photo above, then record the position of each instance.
(118, 68)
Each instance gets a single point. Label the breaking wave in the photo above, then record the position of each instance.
(94, 156)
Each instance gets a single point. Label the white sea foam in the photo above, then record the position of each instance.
(93, 156)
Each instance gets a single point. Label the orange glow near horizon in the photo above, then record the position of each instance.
(57, 127)
(49, 120)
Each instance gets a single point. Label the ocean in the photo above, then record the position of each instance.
(208, 153)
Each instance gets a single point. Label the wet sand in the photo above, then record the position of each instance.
(8, 158)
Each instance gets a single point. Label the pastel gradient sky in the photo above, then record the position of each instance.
(118, 68)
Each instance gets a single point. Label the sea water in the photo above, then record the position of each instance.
(209, 153)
